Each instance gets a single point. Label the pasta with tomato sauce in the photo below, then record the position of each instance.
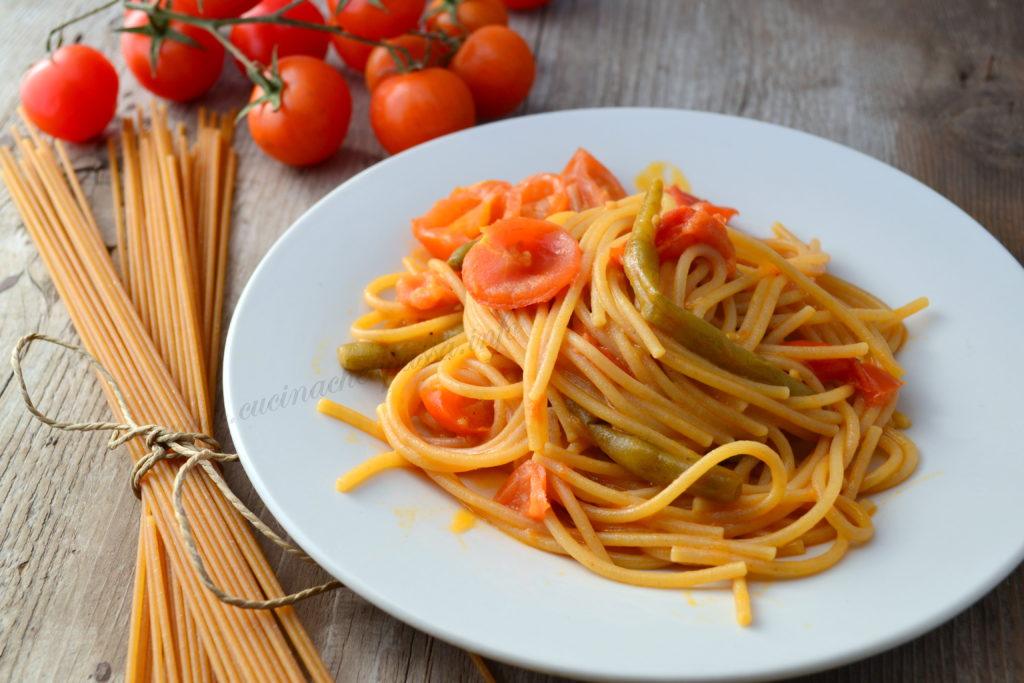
(668, 400)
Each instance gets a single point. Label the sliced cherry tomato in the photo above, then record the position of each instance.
(257, 41)
(456, 413)
(72, 94)
(381, 65)
(376, 19)
(426, 291)
(686, 226)
(498, 66)
(211, 9)
(311, 122)
(183, 72)
(411, 108)
(683, 198)
(526, 490)
(525, 4)
(589, 182)
(521, 261)
(827, 369)
(538, 196)
(875, 384)
(462, 17)
(458, 218)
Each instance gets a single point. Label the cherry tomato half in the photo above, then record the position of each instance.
(72, 94)
(313, 118)
(521, 261)
(455, 413)
(183, 72)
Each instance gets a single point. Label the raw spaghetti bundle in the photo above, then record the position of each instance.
(157, 333)
(689, 405)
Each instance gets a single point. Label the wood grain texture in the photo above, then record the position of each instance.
(935, 88)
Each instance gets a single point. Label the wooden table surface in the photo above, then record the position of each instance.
(933, 88)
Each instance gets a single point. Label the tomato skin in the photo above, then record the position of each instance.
(525, 491)
(352, 52)
(875, 384)
(426, 291)
(472, 15)
(257, 41)
(498, 66)
(212, 9)
(457, 414)
(380, 66)
(314, 115)
(686, 226)
(519, 262)
(411, 108)
(72, 94)
(363, 19)
(458, 218)
(183, 72)
(537, 196)
(521, 5)
(589, 183)
(683, 199)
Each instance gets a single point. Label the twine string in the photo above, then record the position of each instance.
(167, 444)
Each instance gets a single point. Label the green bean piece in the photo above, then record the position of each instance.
(361, 356)
(459, 255)
(642, 266)
(652, 464)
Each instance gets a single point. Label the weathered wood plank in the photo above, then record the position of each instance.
(933, 88)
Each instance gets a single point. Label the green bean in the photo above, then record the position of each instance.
(459, 255)
(641, 263)
(652, 464)
(361, 356)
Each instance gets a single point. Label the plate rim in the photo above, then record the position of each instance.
(818, 662)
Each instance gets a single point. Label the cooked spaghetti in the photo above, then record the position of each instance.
(669, 401)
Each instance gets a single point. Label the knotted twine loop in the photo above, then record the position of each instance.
(165, 444)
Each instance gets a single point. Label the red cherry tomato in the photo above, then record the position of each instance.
(521, 261)
(257, 41)
(411, 108)
(72, 94)
(469, 15)
(381, 65)
(211, 9)
(455, 413)
(354, 53)
(589, 182)
(525, 4)
(311, 122)
(537, 196)
(183, 72)
(458, 218)
(497, 65)
(426, 291)
(366, 18)
(526, 490)
(686, 226)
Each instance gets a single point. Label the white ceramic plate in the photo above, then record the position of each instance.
(943, 539)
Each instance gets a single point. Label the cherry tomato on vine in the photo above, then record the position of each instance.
(461, 17)
(352, 52)
(211, 9)
(411, 108)
(183, 72)
(72, 94)
(497, 65)
(257, 41)
(366, 18)
(525, 4)
(382, 65)
(311, 122)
